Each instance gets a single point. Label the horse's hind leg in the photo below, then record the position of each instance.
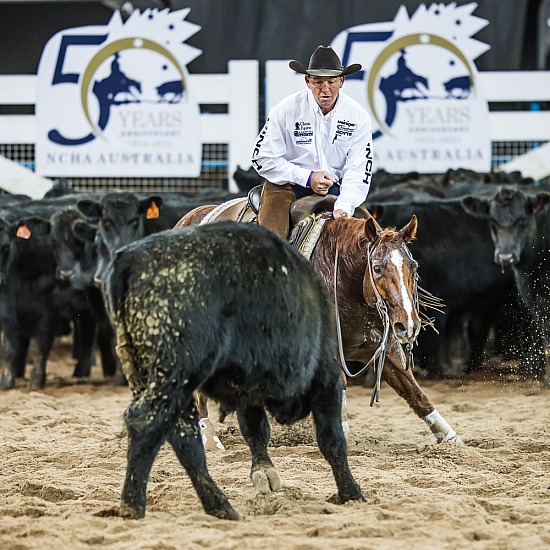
(186, 441)
(210, 439)
(405, 385)
(256, 431)
(326, 411)
(146, 433)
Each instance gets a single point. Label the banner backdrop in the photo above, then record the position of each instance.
(290, 29)
(420, 85)
(115, 100)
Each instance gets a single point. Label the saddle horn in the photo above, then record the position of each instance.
(305, 206)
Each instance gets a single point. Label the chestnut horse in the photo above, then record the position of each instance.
(372, 278)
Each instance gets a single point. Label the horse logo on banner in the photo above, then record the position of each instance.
(422, 88)
(115, 100)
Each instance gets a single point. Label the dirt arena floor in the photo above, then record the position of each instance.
(62, 463)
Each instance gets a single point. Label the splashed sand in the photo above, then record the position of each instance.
(62, 462)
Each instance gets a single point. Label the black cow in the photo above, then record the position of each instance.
(234, 311)
(122, 217)
(520, 229)
(413, 190)
(462, 182)
(27, 310)
(246, 179)
(76, 261)
(34, 306)
(454, 253)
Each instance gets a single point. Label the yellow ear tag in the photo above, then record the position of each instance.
(152, 211)
(23, 232)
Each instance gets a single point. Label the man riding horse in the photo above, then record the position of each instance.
(317, 141)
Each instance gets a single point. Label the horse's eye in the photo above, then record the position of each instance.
(377, 269)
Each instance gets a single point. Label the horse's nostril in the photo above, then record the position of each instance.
(399, 328)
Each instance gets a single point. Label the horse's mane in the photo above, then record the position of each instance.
(347, 235)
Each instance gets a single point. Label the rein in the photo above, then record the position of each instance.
(406, 356)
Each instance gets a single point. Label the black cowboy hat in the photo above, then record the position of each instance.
(324, 62)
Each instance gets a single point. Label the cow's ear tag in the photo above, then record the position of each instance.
(23, 232)
(152, 211)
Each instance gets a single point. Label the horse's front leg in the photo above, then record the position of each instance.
(406, 386)
(345, 418)
(210, 439)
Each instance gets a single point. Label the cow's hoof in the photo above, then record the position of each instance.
(129, 512)
(7, 380)
(37, 382)
(81, 372)
(266, 480)
(120, 380)
(353, 493)
(226, 513)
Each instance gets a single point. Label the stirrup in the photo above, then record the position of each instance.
(254, 197)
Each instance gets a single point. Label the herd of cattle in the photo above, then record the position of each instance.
(482, 245)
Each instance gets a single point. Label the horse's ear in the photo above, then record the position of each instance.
(409, 231)
(475, 206)
(372, 229)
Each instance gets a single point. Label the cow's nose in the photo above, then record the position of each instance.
(64, 274)
(505, 259)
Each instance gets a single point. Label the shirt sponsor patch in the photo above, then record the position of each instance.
(303, 133)
(344, 130)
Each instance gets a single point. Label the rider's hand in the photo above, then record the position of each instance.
(321, 182)
(340, 214)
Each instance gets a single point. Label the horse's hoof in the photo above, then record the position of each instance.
(454, 439)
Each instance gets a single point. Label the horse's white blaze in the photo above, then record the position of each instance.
(397, 261)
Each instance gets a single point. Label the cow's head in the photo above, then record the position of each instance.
(512, 219)
(121, 218)
(75, 255)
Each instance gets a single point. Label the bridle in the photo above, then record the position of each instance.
(405, 356)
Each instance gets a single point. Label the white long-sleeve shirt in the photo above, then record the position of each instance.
(298, 139)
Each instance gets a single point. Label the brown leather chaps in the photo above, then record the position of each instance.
(274, 213)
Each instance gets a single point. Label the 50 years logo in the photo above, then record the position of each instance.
(116, 101)
(421, 87)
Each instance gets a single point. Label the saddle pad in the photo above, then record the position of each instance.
(213, 214)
